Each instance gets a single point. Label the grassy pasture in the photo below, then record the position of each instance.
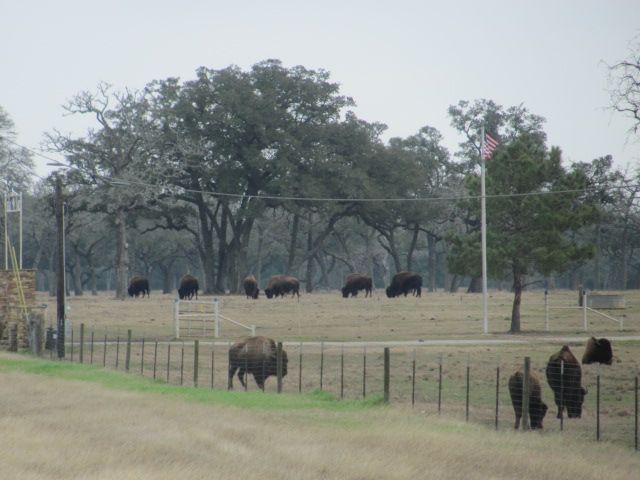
(61, 421)
(328, 317)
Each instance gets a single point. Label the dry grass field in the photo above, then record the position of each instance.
(327, 316)
(59, 425)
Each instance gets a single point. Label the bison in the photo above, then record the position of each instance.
(403, 283)
(257, 356)
(137, 286)
(537, 408)
(251, 287)
(188, 287)
(597, 351)
(565, 379)
(281, 284)
(356, 282)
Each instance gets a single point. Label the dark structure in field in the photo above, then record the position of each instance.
(250, 285)
(598, 350)
(564, 375)
(356, 282)
(537, 408)
(188, 288)
(279, 285)
(138, 286)
(256, 356)
(403, 283)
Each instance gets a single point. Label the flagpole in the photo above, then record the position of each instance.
(483, 230)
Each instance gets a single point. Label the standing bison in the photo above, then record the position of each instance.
(356, 282)
(257, 356)
(537, 408)
(279, 285)
(403, 283)
(188, 287)
(138, 286)
(251, 287)
(565, 379)
(597, 351)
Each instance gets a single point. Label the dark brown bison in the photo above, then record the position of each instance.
(257, 356)
(356, 282)
(188, 287)
(279, 285)
(597, 351)
(403, 283)
(537, 408)
(566, 382)
(251, 286)
(138, 286)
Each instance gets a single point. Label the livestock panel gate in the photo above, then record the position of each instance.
(201, 318)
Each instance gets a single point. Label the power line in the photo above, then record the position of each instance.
(123, 183)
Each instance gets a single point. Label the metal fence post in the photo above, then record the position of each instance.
(466, 409)
(413, 379)
(300, 369)
(546, 310)
(526, 389)
(91, 351)
(196, 352)
(82, 343)
(364, 372)
(127, 361)
(585, 323)
(598, 406)
(342, 373)
(497, 390)
(387, 372)
(216, 319)
(279, 366)
(176, 317)
(561, 407)
(321, 362)
(440, 384)
(142, 357)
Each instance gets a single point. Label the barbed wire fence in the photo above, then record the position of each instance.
(467, 383)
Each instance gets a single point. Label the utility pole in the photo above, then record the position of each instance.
(60, 280)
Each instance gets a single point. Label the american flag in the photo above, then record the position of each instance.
(490, 144)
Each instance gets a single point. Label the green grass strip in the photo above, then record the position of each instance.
(135, 383)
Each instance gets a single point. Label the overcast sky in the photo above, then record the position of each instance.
(403, 62)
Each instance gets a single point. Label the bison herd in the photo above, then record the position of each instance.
(564, 376)
(402, 283)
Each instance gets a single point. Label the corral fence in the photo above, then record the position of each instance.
(196, 318)
(458, 381)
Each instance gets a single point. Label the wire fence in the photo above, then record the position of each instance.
(598, 401)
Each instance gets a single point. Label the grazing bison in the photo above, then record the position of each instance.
(188, 287)
(403, 283)
(356, 282)
(566, 382)
(537, 408)
(598, 351)
(257, 356)
(137, 286)
(251, 286)
(281, 284)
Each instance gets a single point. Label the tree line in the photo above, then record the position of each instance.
(268, 170)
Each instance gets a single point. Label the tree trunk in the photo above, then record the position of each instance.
(93, 280)
(122, 256)
(517, 300)
(222, 254)
(431, 246)
(77, 277)
(166, 278)
(292, 243)
(412, 247)
(475, 286)
(310, 261)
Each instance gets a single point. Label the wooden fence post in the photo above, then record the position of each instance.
(196, 352)
(82, 343)
(387, 370)
(300, 369)
(466, 411)
(279, 366)
(91, 351)
(439, 384)
(413, 379)
(321, 362)
(127, 359)
(526, 391)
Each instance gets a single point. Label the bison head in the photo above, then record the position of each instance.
(537, 415)
(345, 292)
(574, 408)
(390, 292)
(268, 292)
(131, 290)
(182, 293)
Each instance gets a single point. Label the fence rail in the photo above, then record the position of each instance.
(474, 385)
